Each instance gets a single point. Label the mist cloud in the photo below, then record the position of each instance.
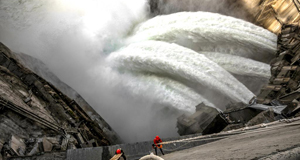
(73, 41)
(73, 38)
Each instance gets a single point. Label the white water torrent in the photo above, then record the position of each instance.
(203, 31)
(240, 65)
(139, 74)
(175, 61)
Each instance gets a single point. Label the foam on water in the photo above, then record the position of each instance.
(179, 62)
(240, 65)
(203, 31)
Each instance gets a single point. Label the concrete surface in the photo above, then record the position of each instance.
(85, 154)
(252, 144)
(140, 149)
(292, 154)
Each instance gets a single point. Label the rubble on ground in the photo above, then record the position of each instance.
(208, 120)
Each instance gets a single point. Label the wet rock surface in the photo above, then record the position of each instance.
(42, 70)
(36, 117)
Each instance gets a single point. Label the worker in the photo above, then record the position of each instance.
(156, 145)
(120, 151)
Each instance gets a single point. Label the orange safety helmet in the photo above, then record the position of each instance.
(118, 151)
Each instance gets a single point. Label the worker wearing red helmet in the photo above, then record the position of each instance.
(156, 145)
(120, 151)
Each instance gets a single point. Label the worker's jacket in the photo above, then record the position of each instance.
(157, 141)
(123, 154)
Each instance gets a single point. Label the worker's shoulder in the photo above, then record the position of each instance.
(116, 156)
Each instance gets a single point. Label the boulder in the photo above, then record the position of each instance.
(240, 113)
(263, 117)
(205, 120)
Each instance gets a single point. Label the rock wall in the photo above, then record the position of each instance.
(37, 117)
(42, 70)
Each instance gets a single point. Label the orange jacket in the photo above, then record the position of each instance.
(157, 141)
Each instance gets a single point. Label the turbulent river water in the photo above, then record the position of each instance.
(140, 73)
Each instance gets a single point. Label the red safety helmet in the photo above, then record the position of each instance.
(118, 151)
(157, 137)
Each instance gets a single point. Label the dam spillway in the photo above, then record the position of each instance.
(82, 56)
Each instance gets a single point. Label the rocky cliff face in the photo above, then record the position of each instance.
(37, 117)
(42, 70)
